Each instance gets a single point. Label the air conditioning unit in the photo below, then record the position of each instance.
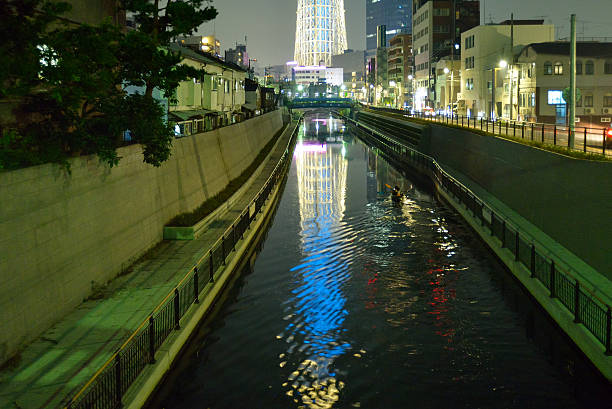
(606, 110)
(588, 110)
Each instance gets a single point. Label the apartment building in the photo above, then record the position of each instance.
(543, 72)
(436, 29)
(487, 65)
(399, 69)
(216, 98)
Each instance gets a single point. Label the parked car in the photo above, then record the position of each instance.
(428, 111)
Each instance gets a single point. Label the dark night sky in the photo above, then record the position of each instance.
(270, 24)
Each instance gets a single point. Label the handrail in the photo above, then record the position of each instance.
(188, 275)
(548, 134)
(512, 224)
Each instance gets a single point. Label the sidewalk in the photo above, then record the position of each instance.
(58, 363)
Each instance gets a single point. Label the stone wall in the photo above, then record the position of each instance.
(61, 233)
(568, 199)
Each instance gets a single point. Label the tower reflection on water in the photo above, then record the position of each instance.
(316, 311)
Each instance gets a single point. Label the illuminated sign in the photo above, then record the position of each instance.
(555, 97)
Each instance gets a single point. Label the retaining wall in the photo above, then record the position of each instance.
(569, 199)
(63, 234)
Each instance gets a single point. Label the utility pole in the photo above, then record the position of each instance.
(511, 66)
(453, 41)
(572, 101)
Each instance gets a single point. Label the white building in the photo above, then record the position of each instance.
(317, 74)
(334, 76)
(487, 59)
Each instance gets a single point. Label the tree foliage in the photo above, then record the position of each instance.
(65, 83)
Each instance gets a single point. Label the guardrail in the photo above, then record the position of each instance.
(108, 385)
(594, 140)
(549, 269)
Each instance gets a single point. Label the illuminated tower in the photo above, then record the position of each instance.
(320, 31)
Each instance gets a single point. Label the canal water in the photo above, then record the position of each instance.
(357, 301)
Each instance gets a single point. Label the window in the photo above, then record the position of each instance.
(548, 69)
(214, 83)
(579, 102)
(441, 29)
(589, 68)
(608, 101)
(578, 67)
(558, 68)
(469, 63)
(469, 84)
(608, 67)
(469, 42)
(588, 101)
(533, 100)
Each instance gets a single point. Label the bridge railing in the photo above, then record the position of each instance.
(586, 139)
(321, 102)
(106, 388)
(557, 276)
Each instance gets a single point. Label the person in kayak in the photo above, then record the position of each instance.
(396, 194)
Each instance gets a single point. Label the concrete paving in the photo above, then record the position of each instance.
(54, 367)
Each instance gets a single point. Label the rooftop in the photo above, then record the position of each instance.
(583, 48)
(204, 57)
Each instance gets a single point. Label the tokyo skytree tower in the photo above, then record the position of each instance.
(320, 31)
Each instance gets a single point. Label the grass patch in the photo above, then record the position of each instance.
(210, 205)
(552, 148)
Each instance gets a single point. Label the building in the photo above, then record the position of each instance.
(399, 69)
(281, 72)
(317, 75)
(238, 56)
(436, 29)
(484, 47)
(96, 11)
(320, 31)
(395, 15)
(382, 68)
(543, 72)
(334, 76)
(207, 44)
(352, 63)
(215, 99)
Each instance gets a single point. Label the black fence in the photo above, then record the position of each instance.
(559, 278)
(107, 387)
(592, 140)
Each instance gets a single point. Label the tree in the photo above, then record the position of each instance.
(68, 91)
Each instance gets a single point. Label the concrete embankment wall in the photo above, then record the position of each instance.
(568, 199)
(61, 233)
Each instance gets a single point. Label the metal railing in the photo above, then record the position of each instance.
(560, 279)
(109, 384)
(586, 139)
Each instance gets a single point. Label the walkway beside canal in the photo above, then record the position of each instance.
(55, 366)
